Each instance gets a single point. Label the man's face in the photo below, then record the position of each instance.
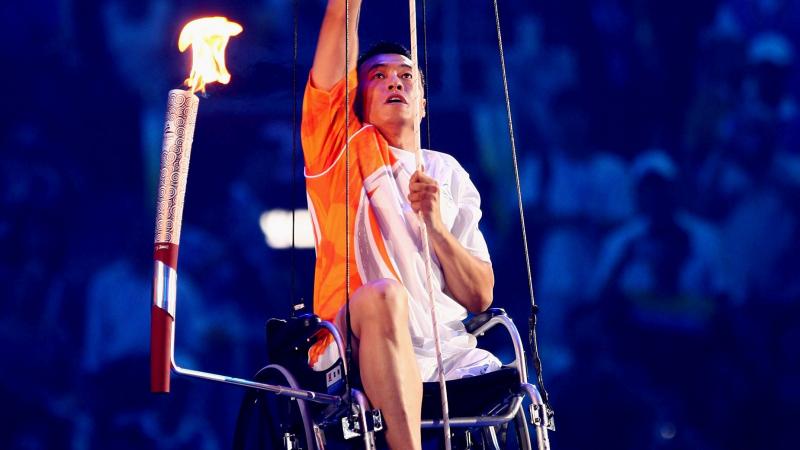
(391, 90)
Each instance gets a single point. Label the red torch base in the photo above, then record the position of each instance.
(160, 345)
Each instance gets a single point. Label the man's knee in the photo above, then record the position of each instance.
(384, 301)
(392, 293)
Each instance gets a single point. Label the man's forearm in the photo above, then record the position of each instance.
(469, 280)
(328, 67)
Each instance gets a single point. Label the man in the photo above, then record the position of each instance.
(390, 316)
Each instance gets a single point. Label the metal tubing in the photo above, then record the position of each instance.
(478, 421)
(305, 415)
(491, 435)
(275, 389)
(539, 423)
(363, 405)
(523, 434)
(519, 350)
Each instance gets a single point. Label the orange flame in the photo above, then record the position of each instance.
(208, 37)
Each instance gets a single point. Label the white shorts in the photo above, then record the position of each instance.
(459, 361)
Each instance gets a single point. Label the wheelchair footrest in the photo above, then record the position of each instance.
(351, 425)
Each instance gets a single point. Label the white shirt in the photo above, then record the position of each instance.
(460, 211)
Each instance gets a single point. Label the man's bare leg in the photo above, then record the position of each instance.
(379, 319)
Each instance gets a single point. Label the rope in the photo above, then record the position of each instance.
(537, 363)
(425, 242)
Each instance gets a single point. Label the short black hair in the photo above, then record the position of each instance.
(383, 48)
(387, 48)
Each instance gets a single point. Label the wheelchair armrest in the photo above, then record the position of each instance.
(483, 322)
(477, 321)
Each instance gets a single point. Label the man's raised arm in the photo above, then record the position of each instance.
(328, 66)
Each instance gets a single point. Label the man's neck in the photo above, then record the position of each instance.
(401, 137)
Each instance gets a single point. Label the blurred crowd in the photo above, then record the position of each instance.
(658, 146)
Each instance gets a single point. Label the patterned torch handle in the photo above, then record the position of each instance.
(175, 153)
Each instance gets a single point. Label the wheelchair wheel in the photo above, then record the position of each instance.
(523, 434)
(271, 422)
(512, 435)
(501, 437)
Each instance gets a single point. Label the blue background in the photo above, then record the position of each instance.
(659, 153)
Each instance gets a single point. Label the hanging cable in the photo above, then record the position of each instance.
(537, 363)
(425, 84)
(293, 190)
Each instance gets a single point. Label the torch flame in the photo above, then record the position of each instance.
(208, 37)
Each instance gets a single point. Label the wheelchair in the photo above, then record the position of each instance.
(319, 411)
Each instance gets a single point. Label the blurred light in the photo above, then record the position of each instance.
(277, 228)
(667, 431)
(770, 47)
(653, 161)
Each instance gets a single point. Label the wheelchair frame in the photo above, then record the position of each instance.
(364, 422)
(357, 422)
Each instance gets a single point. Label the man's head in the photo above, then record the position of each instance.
(389, 86)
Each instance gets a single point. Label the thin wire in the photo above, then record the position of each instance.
(425, 83)
(537, 363)
(293, 193)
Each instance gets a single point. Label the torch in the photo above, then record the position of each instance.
(207, 37)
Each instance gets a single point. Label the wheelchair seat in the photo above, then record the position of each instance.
(471, 396)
